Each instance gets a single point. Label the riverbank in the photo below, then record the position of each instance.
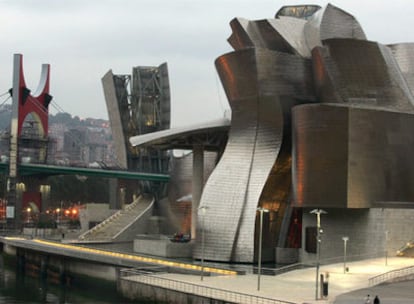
(296, 286)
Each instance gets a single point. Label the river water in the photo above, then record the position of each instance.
(18, 288)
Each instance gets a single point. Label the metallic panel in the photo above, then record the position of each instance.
(360, 73)
(295, 30)
(283, 35)
(261, 86)
(331, 22)
(319, 155)
(366, 157)
(404, 55)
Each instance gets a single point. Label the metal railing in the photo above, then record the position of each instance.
(151, 278)
(391, 275)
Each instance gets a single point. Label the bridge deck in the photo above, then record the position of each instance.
(39, 169)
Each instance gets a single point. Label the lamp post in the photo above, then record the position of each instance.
(345, 239)
(259, 268)
(29, 217)
(386, 248)
(318, 213)
(203, 214)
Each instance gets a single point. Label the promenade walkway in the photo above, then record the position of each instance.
(298, 286)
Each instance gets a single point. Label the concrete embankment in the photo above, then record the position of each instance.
(181, 282)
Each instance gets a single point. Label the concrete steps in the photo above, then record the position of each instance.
(107, 230)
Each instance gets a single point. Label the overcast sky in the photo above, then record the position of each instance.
(83, 39)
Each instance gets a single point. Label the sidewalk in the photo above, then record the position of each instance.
(299, 286)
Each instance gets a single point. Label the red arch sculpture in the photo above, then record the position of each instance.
(38, 103)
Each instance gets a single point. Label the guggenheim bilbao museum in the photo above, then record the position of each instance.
(321, 118)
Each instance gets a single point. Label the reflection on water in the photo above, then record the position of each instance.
(16, 288)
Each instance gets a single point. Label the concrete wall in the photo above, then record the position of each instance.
(99, 271)
(366, 229)
(65, 265)
(93, 213)
(135, 290)
(163, 248)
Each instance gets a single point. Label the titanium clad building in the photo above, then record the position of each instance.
(321, 118)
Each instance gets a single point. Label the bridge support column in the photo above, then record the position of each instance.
(114, 202)
(44, 263)
(197, 185)
(24, 104)
(62, 271)
(20, 260)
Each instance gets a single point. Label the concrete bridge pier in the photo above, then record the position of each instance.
(62, 270)
(44, 263)
(20, 261)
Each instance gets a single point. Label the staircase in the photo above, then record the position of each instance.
(117, 226)
(407, 250)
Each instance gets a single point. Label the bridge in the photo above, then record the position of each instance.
(28, 138)
(25, 169)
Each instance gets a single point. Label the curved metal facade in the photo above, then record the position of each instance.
(347, 101)
(361, 129)
(255, 168)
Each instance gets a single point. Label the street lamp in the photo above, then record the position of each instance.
(203, 214)
(259, 270)
(318, 213)
(58, 215)
(386, 247)
(345, 239)
(28, 214)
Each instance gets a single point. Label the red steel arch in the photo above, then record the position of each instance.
(36, 103)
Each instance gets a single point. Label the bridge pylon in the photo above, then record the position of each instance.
(24, 104)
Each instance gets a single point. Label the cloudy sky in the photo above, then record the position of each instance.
(83, 39)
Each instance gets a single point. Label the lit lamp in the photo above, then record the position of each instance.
(259, 266)
(28, 214)
(58, 215)
(318, 213)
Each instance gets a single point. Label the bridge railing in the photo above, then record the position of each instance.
(153, 279)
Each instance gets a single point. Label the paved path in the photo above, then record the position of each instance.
(298, 286)
(395, 293)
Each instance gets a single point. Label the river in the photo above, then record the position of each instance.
(17, 288)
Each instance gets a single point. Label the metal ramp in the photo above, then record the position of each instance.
(120, 226)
